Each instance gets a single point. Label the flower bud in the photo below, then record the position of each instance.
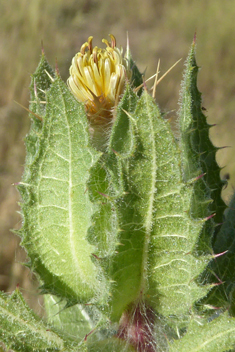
(97, 78)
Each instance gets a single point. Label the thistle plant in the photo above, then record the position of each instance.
(123, 224)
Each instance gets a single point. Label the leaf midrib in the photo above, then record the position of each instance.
(71, 229)
(148, 222)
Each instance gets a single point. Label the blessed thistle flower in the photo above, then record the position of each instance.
(97, 78)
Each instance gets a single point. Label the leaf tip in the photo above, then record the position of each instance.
(195, 38)
(42, 48)
(57, 72)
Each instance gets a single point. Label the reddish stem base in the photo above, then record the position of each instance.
(137, 327)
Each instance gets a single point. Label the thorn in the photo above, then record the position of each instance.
(166, 73)
(114, 151)
(140, 86)
(56, 67)
(218, 283)
(104, 195)
(127, 45)
(202, 153)
(226, 146)
(30, 111)
(22, 184)
(203, 108)
(48, 74)
(209, 217)
(91, 332)
(43, 91)
(209, 306)
(42, 47)
(200, 176)
(194, 37)
(156, 80)
(144, 85)
(128, 114)
(220, 254)
(35, 89)
(35, 102)
(96, 257)
(170, 119)
(188, 253)
(191, 130)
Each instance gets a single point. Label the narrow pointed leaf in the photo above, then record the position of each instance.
(198, 153)
(137, 77)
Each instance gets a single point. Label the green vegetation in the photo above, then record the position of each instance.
(120, 228)
(156, 29)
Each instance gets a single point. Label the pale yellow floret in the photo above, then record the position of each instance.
(98, 77)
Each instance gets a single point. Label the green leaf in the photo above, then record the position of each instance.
(40, 83)
(154, 259)
(217, 335)
(123, 231)
(222, 267)
(122, 139)
(22, 330)
(106, 179)
(55, 204)
(137, 77)
(74, 322)
(198, 155)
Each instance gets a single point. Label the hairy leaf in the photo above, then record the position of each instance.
(122, 237)
(217, 335)
(198, 155)
(154, 259)
(74, 322)
(40, 84)
(56, 206)
(222, 267)
(22, 330)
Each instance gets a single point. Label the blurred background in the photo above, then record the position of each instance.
(158, 29)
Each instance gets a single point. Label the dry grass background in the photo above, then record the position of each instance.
(157, 29)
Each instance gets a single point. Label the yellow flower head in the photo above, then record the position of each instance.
(97, 78)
